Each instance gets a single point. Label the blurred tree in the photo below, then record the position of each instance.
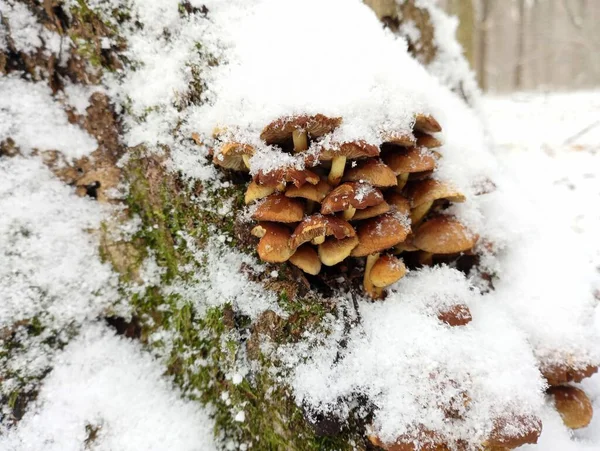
(464, 10)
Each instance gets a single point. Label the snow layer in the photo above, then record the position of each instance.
(50, 263)
(35, 121)
(110, 385)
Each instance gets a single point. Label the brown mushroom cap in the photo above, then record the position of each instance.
(371, 212)
(274, 244)
(278, 208)
(574, 406)
(387, 270)
(513, 432)
(334, 251)
(306, 259)
(282, 129)
(372, 171)
(456, 315)
(380, 233)
(409, 160)
(557, 374)
(400, 203)
(285, 175)
(255, 192)
(399, 139)
(351, 150)
(426, 123)
(426, 140)
(318, 225)
(351, 194)
(231, 156)
(311, 192)
(444, 235)
(430, 190)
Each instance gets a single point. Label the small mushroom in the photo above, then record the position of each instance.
(371, 212)
(426, 123)
(315, 193)
(273, 246)
(315, 126)
(399, 139)
(346, 151)
(235, 156)
(425, 192)
(334, 251)
(380, 233)
(444, 235)
(573, 405)
(281, 176)
(255, 192)
(306, 259)
(406, 161)
(350, 196)
(398, 202)
(562, 373)
(278, 208)
(385, 270)
(426, 140)
(372, 171)
(512, 432)
(316, 227)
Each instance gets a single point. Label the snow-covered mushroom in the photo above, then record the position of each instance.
(306, 259)
(274, 244)
(234, 156)
(398, 202)
(573, 405)
(338, 155)
(444, 235)
(406, 161)
(283, 129)
(399, 139)
(281, 176)
(278, 208)
(426, 123)
(317, 227)
(350, 196)
(255, 192)
(425, 192)
(512, 432)
(334, 251)
(372, 171)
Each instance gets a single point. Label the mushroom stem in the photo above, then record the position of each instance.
(246, 159)
(368, 285)
(318, 240)
(336, 173)
(402, 179)
(425, 258)
(280, 187)
(417, 214)
(310, 206)
(349, 213)
(300, 138)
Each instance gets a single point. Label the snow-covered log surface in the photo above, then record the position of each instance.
(540, 222)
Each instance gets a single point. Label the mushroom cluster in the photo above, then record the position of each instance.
(350, 200)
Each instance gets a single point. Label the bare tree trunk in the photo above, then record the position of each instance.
(465, 11)
(522, 20)
(486, 7)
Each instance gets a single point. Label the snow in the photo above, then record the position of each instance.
(50, 264)
(111, 384)
(35, 121)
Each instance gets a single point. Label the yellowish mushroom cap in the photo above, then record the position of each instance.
(372, 171)
(429, 190)
(315, 193)
(573, 405)
(427, 123)
(351, 194)
(409, 160)
(278, 208)
(387, 270)
(273, 246)
(281, 129)
(380, 233)
(320, 226)
(231, 156)
(306, 259)
(334, 251)
(443, 235)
